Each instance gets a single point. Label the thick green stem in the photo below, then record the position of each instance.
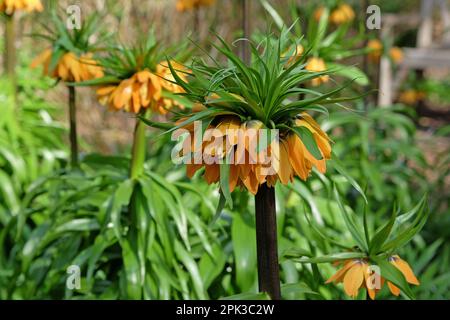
(266, 242)
(10, 46)
(138, 154)
(139, 150)
(73, 127)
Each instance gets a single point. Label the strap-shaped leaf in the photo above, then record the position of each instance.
(219, 209)
(120, 199)
(56, 56)
(350, 72)
(225, 179)
(156, 124)
(382, 235)
(275, 15)
(96, 82)
(406, 235)
(351, 225)
(321, 234)
(392, 274)
(332, 257)
(248, 296)
(336, 164)
(296, 288)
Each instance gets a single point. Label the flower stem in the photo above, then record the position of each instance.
(10, 46)
(266, 242)
(138, 151)
(73, 127)
(10, 54)
(138, 154)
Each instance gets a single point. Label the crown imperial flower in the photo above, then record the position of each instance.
(11, 6)
(69, 67)
(356, 274)
(142, 90)
(284, 158)
(340, 15)
(184, 5)
(256, 131)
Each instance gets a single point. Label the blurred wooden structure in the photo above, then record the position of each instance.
(427, 54)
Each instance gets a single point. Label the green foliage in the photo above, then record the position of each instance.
(29, 150)
(122, 252)
(387, 137)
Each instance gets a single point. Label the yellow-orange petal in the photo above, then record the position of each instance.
(353, 279)
(396, 55)
(404, 267)
(339, 275)
(297, 157)
(285, 168)
(251, 183)
(234, 177)
(310, 120)
(191, 169)
(143, 76)
(42, 58)
(62, 70)
(212, 173)
(369, 286)
(394, 289)
(244, 170)
(136, 101)
(323, 145)
(123, 95)
(105, 90)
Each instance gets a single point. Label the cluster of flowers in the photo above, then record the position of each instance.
(340, 15)
(376, 51)
(11, 6)
(183, 5)
(142, 90)
(411, 96)
(283, 158)
(70, 68)
(356, 274)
